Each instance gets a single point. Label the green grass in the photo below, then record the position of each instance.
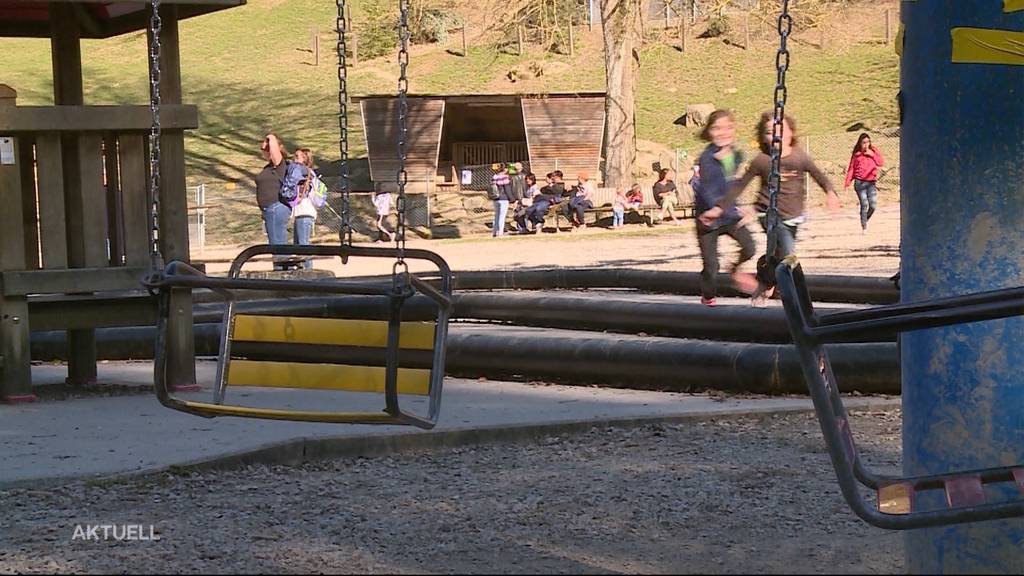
(250, 71)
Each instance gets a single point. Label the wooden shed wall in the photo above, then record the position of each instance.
(380, 123)
(567, 132)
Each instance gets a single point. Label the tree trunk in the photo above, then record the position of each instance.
(622, 34)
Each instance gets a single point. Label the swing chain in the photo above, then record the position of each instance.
(403, 129)
(785, 28)
(155, 26)
(346, 186)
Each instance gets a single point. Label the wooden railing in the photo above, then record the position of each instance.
(82, 187)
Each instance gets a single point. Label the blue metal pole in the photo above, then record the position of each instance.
(962, 199)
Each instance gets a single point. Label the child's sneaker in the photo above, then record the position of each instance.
(708, 301)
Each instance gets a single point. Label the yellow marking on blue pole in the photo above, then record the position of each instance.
(988, 46)
(1013, 5)
(330, 331)
(342, 377)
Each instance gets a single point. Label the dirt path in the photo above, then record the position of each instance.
(827, 245)
(726, 496)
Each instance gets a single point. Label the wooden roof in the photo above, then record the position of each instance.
(98, 18)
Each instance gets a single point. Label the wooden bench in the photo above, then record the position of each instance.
(603, 198)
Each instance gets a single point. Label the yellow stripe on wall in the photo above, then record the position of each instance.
(323, 377)
(330, 331)
(988, 46)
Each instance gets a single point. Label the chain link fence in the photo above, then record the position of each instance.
(831, 152)
(226, 213)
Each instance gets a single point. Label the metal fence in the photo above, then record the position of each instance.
(226, 213)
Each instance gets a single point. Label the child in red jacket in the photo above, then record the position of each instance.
(863, 172)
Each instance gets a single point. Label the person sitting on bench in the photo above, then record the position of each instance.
(580, 201)
(547, 197)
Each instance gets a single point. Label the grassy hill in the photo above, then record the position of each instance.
(250, 70)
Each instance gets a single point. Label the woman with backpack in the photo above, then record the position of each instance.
(273, 183)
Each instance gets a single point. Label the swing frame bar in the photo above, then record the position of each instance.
(810, 332)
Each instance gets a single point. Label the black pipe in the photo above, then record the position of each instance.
(823, 288)
(612, 313)
(572, 357)
(847, 289)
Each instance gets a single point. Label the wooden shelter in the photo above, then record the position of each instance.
(73, 182)
(450, 133)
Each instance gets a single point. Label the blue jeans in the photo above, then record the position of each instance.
(275, 220)
(304, 234)
(868, 195)
(500, 212)
(618, 215)
(787, 238)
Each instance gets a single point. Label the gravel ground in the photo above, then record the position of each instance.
(725, 496)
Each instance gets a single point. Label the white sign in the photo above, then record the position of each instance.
(467, 177)
(6, 150)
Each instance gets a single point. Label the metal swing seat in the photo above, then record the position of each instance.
(382, 354)
(898, 499)
(390, 356)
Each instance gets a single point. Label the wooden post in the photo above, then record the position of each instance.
(355, 48)
(181, 363)
(746, 31)
(315, 45)
(465, 49)
(682, 33)
(519, 37)
(888, 25)
(16, 369)
(668, 20)
(66, 53)
(590, 15)
(572, 47)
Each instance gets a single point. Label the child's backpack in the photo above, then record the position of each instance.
(293, 177)
(317, 192)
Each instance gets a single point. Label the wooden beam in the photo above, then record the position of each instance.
(82, 312)
(15, 369)
(52, 222)
(15, 119)
(66, 54)
(134, 190)
(74, 280)
(181, 362)
(67, 86)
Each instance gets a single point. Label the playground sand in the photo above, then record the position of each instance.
(724, 496)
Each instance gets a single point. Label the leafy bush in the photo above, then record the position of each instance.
(717, 26)
(378, 32)
(432, 25)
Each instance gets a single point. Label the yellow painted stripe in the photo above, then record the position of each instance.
(323, 377)
(895, 499)
(331, 331)
(987, 46)
(299, 415)
(900, 36)
(1013, 5)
